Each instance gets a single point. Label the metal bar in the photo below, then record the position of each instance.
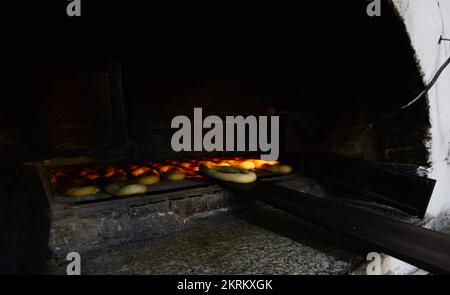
(443, 39)
(426, 249)
(361, 179)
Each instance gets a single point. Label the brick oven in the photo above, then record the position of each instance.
(92, 109)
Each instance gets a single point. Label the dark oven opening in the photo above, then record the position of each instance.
(97, 130)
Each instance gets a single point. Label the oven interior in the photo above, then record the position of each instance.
(103, 107)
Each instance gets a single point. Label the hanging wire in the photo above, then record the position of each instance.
(422, 94)
(425, 91)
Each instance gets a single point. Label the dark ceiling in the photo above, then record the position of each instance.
(295, 46)
(317, 53)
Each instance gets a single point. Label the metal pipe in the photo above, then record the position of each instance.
(443, 39)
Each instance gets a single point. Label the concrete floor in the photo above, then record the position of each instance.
(231, 244)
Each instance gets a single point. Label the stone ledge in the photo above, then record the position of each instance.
(114, 226)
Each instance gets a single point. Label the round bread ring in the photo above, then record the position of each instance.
(174, 176)
(283, 169)
(229, 174)
(66, 184)
(124, 189)
(248, 165)
(149, 179)
(81, 191)
(113, 188)
(132, 189)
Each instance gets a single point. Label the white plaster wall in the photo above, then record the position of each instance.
(426, 21)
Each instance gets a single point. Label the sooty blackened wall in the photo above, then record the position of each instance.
(327, 70)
